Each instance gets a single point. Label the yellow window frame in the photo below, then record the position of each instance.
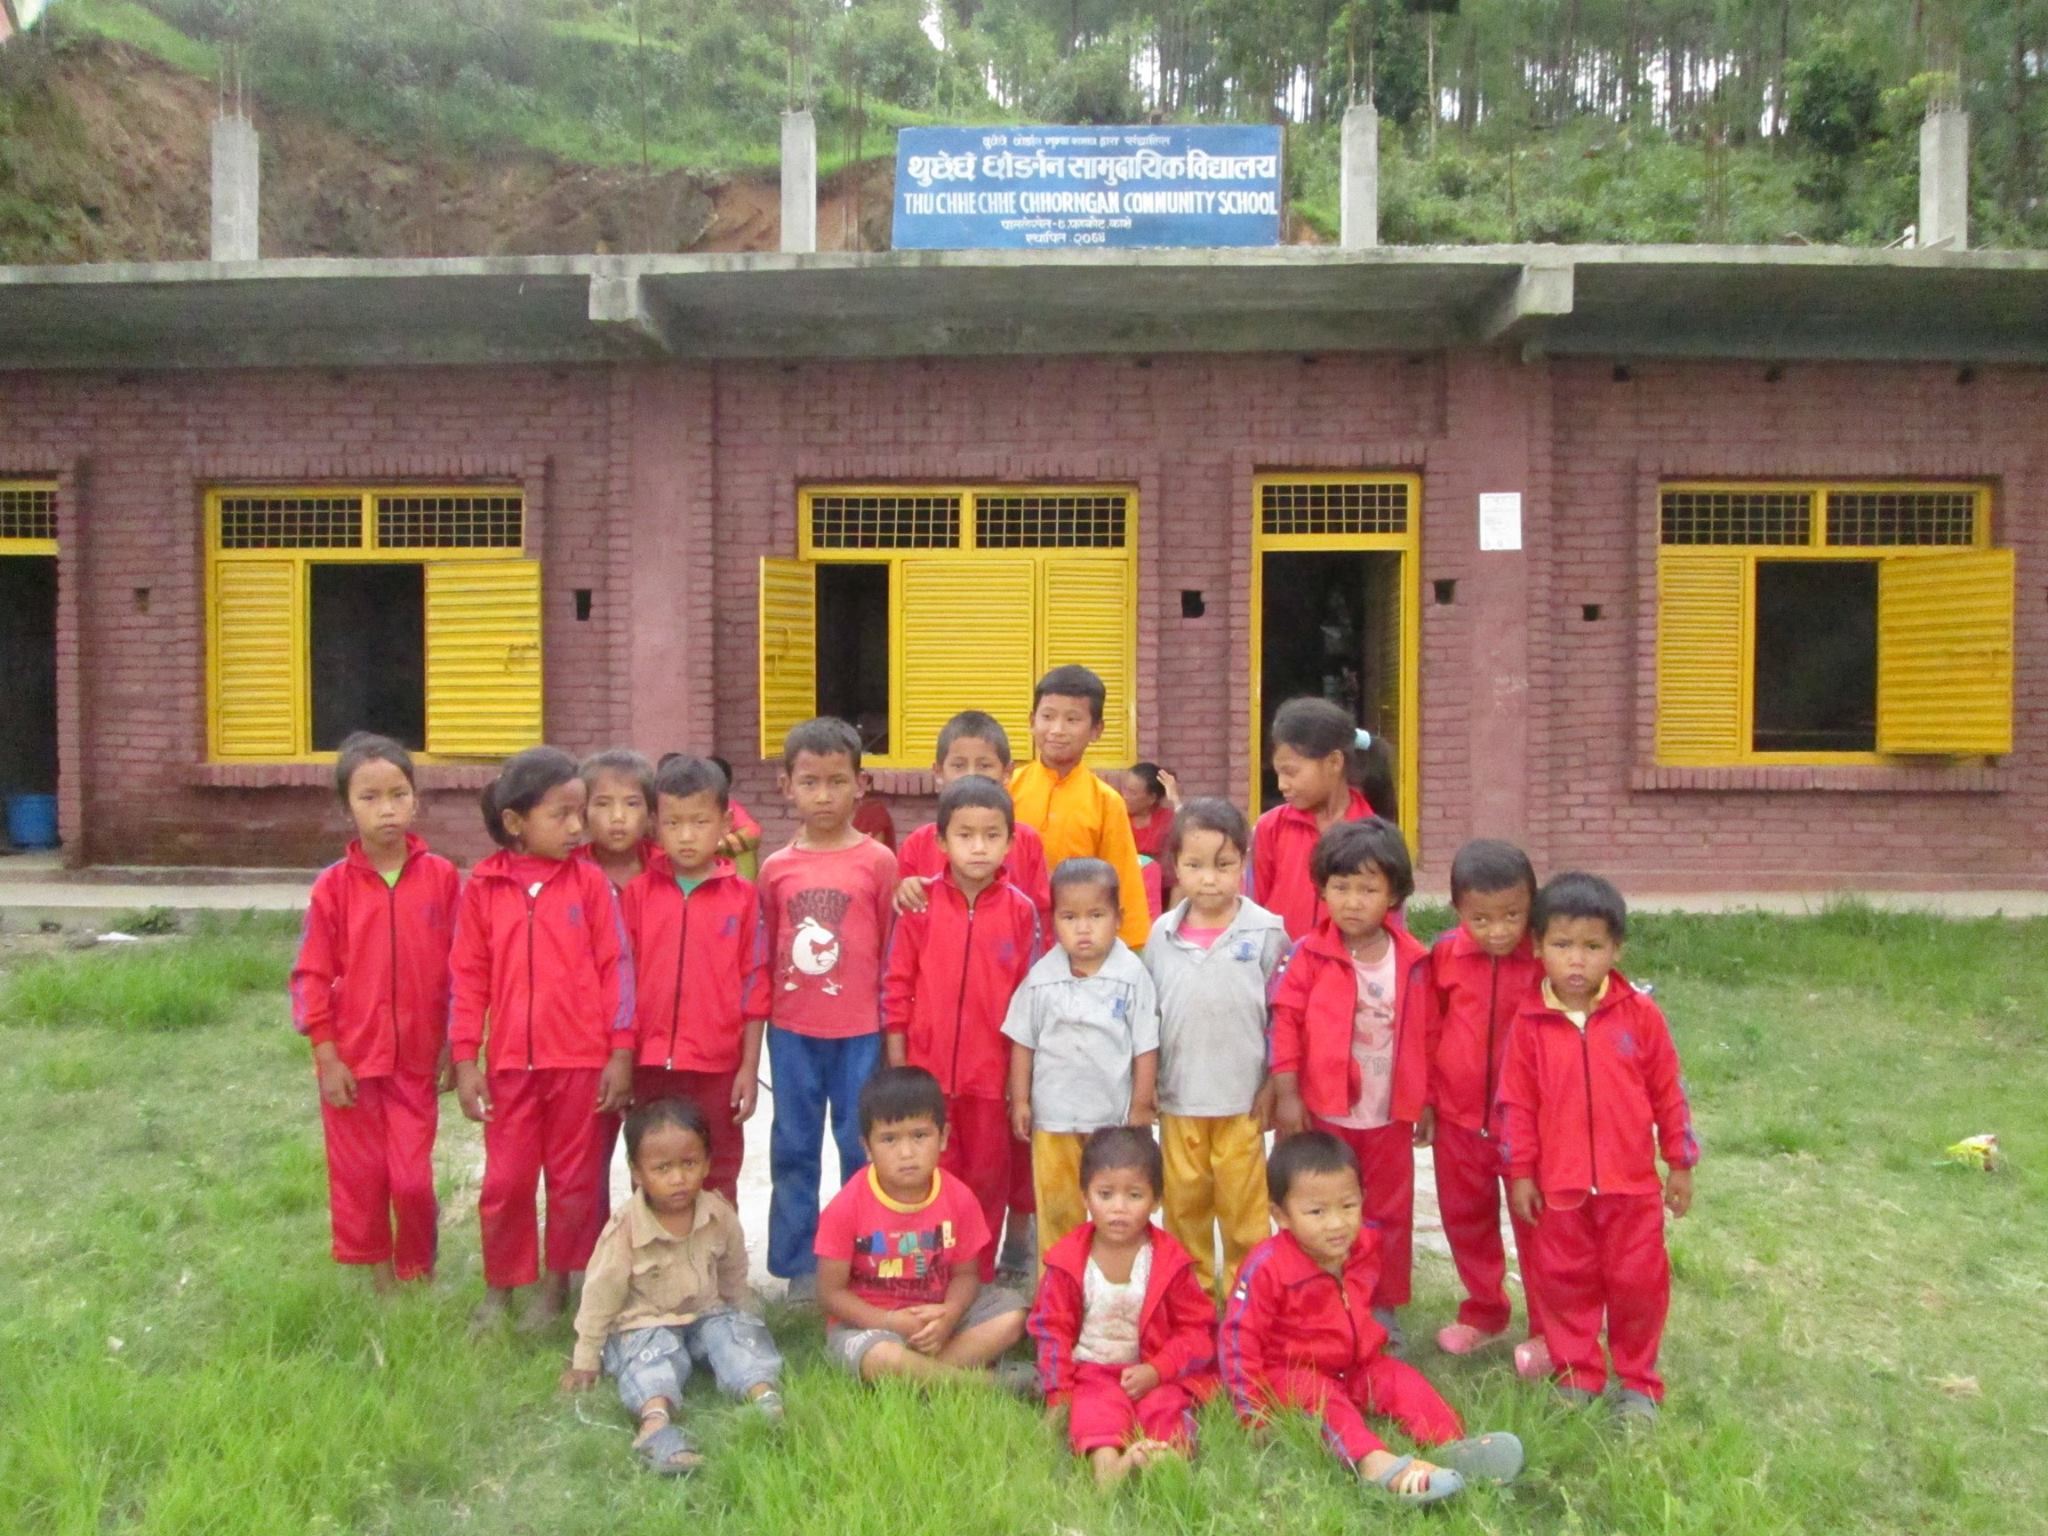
(1408, 545)
(22, 545)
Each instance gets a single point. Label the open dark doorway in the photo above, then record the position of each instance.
(28, 664)
(369, 653)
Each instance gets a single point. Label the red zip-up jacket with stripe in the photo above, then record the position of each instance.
(921, 857)
(540, 963)
(952, 969)
(372, 973)
(1315, 1003)
(1283, 842)
(1288, 1314)
(1472, 1003)
(1176, 1321)
(700, 966)
(1586, 1111)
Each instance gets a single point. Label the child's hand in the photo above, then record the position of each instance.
(929, 1330)
(472, 1091)
(1143, 1113)
(1290, 1115)
(895, 1049)
(746, 1096)
(911, 896)
(1262, 1104)
(444, 1069)
(615, 1084)
(1425, 1126)
(337, 1083)
(1525, 1200)
(574, 1380)
(1138, 1379)
(1169, 788)
(1020, 1119)
(732, 845)
(1678, 1190)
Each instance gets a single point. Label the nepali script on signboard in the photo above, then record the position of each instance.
(1082, 188)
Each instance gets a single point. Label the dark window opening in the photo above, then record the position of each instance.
(369, 653)
(1816, 656)
(853, 649)
(28, 662)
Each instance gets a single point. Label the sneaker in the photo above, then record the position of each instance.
(1386, 1318)
(1634, 1409)
(1464, 1339)
(1532, 1360)
(1020, 1249)
(802, 1291)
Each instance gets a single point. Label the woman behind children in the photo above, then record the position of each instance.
(541, 1022)
(370, 993)
(1152, 797)
(1317, 750)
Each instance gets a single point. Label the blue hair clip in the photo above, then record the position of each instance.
(1361, 738)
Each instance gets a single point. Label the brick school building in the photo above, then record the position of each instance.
(1701, 567)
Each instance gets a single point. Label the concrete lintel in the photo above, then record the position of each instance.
(1541, 291)
(622, 305)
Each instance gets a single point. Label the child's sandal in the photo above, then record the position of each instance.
(668, 1452)
(1491, 1458)
(1443, 1483)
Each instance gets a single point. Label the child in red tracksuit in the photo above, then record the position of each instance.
(1315, 745)
(700, 967)
(1349, 1035)
(370, 992)
(540, 965)
(1480, 974)
(954, 964)
(1298, 1332)
(1126, 1333)
(1589, 1095)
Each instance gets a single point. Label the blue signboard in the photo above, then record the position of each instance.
(1086, 188)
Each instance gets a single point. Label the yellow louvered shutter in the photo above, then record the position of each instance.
(483, 657)
(1945, 653)
(789, 649)
(1088, 620)
(1702, 597)
(968, 641)
(256, 655)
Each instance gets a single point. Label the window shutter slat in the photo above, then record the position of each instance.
(789, 649)
(1701, 599)
(257, 639)
(941, 603)
(1088, 610)
(483, 657)
(1945, 653)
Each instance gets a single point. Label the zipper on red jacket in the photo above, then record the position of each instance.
(391, 910)
(675, 1013)
(1492, 1013)
(1350, 1317)
(1592, 1153)
(960, 1003)
(531, 901)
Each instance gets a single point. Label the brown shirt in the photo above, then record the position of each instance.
(641, 1275)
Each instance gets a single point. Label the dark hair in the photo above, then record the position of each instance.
(1309, 1152)
(360, 747)
(978, 792)
(1316, 727)
(1073, 872)
(681, 777)
(723, 766)
(1123, 1146)
(1351, 847)
(625, 762)
(1071, 682)
(1486, 864)
(1208, 813)
(1147, 774)
(656, 1113)
(973, 725)
(901, 1093)
(522, 783)
(825, 736)
(1578, 894)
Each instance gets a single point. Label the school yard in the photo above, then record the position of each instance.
(1859, 1340)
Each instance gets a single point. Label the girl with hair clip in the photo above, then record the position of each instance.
(1319, 755)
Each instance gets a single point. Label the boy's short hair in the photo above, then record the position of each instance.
(680, 777)
(1351, 847)
(825, 736)
(1072, 682)
(624, 762)
(1123, 1146)
(656, 1113)
(360, 747)
(901, 1093)
(1578, 894)
(1076, 872)
(979, 793)
(1208, 813)
(1486, 865)
(1310, 1152)
(975, 725)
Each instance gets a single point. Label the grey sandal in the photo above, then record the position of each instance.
(1444, 1483)
(668, 1452)
(769, 1405)
(1492, 1458)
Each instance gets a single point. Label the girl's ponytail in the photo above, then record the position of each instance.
(493, 822)
(521, 784)
(1316, 727)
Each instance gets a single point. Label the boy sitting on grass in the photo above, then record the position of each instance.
(899, 1249)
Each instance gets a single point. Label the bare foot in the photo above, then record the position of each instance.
(1111, 1465)
(383, 1278)
(490, 1311)
(1413, 1478)
(550, 1300)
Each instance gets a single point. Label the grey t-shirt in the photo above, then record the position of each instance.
(1083, 1032)
(1212, 1010)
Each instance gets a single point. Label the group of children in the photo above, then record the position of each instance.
(990, 1025)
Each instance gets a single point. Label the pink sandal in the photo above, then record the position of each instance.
(1464, 1339)
(1532, 1359)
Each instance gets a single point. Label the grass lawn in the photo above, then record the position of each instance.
(1859, 1338)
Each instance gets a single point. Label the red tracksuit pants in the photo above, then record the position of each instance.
(380, 1174)
(1101, 1413)
(1469, 1182)
(711, 1092)
(541, 1122)
(1390, 1388)
(978, 1143)
(1386, 1167)
(1606, 1256)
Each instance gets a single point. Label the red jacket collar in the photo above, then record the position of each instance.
(499, 867)
(944, 878)
(1325, 940)
(1292, 1266)
(355, 858)
(662, 867)
(1460, 945)
(1619, 991)
(1070, 1257)
(1357, 810)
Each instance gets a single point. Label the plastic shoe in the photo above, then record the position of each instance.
(1489, 1458)
(1444, 1483)
(1532, 1360)
(1464, 1339)
(1634, 1409)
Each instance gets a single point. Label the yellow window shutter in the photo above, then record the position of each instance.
(483, 657)
(789, 649)
(1702, 600)
(1945, 653)
(1089, 611)
(968, 640)
(257, 645)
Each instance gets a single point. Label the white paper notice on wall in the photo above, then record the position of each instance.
(1500, 519)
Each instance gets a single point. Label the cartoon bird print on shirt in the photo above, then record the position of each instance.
(814, 939)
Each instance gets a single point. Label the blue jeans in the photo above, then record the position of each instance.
(655, 1362)
(812, 1076)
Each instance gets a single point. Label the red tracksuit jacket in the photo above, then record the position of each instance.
(1287, 1313)
(1585, 1112)
(372, 972)
(700, 966)
(540, 953)
(951, 972)
(922, 858)
(1283, 842)
(1176, 1325)
(1472, 1002)
(1314, 1005)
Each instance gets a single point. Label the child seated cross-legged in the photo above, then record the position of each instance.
(666, 1289)
(899, 1248)
(1126, 1333)
(1299, 1333)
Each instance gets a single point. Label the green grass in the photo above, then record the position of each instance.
(152, 985)
(124, 21)
(1859, 1339)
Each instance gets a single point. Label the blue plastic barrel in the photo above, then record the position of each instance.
(32, 821)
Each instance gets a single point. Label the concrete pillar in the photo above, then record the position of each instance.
(799, 182)
(1945, 179)
(1359, 179)
(236, 178)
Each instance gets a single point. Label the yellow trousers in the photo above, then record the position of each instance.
(1215, 1176)
(1056, 1181)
